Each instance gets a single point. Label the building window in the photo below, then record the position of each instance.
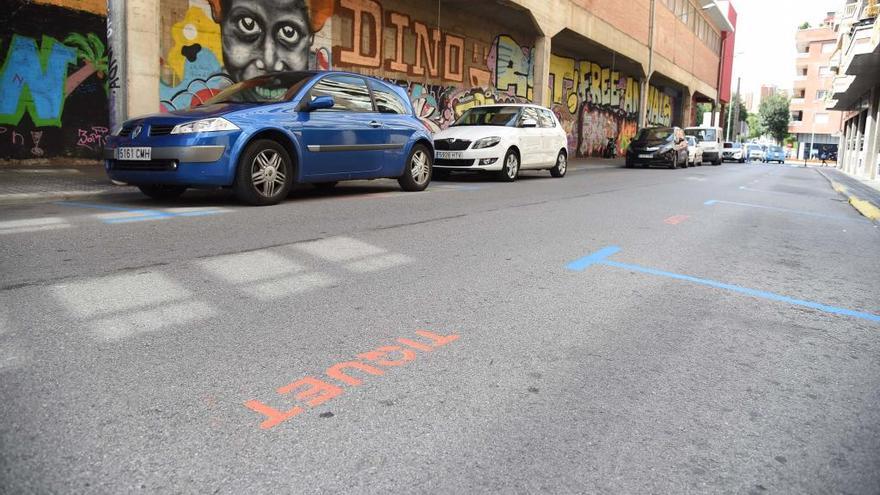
(797, 116)
(821, 94)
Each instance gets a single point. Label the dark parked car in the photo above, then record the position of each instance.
(658, 146)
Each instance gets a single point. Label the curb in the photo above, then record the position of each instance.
(865, 208)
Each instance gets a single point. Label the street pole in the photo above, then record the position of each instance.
(809, 152)
(737, 100)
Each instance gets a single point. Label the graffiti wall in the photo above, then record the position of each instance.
(210, 44)
(53, 81)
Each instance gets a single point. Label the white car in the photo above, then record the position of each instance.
(503, 139)
(709, 139)
(695, 152)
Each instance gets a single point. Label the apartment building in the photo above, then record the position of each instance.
(856, 89)
(817, 128)
(605, 67)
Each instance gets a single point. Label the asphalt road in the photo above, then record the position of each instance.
(729, 344)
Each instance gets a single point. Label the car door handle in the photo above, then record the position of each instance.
(375, 123)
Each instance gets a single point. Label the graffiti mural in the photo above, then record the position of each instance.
(445, 71)
(220, 42)
(53, 82)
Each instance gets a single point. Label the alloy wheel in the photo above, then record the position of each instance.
(420, 167)
(512, 166)
(561, 163)
(268, 173)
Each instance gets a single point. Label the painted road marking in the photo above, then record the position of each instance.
(675, 220)
(128, 215)
(32, 225)
(266, 275)
(313, 392)
(713, 202)
(601, 258)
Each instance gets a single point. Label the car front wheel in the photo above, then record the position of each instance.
(561, 165)
(264, 175)
(510, 168)
(417, 173)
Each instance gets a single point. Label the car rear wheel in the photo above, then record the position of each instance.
(264, 175)
(561, 165)
(162, 192)
(510, 168)
(417, 173)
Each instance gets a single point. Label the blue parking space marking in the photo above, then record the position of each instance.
(713, 202)
(601, 258)
(140, 214)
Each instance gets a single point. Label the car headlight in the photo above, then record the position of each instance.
(487, 142)
(205, 125)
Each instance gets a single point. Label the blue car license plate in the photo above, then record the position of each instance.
(134, 154)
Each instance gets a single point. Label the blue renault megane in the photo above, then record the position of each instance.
(261, 136)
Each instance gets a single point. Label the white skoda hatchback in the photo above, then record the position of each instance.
(503, 139)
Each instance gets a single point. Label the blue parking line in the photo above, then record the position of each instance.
(712, 202)
(144, 215)
(98, 206)
(601, 258)
(597, 257)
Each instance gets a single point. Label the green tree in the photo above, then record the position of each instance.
(775, 116)
(805, 25)
(743, 114)
(756, 126)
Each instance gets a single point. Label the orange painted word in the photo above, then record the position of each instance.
(312, 392)
(675, 220)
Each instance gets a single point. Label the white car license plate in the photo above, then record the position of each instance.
(646, 156)
(449, 155)
(134, 154)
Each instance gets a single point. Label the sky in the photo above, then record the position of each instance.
(765, 31)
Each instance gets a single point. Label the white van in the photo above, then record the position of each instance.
(709, 140)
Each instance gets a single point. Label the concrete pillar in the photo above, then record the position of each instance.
(872, 131)
(847, 164)
(141, 57)
(687, 109)
(643, 101)
(541, 56)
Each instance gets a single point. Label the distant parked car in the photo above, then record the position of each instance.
(503, 139)
(755, 152)
(695, 152)
(709, 140)
(733, 152)
(658, 146)
(262, 135)
(774, 154)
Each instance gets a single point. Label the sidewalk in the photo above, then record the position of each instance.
(27, 184)
(863, 195)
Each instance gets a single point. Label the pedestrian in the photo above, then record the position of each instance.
(824, 156)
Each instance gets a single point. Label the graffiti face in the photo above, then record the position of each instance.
(262, 36)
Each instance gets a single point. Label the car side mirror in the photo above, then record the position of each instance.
(529, 123)
(320, 103)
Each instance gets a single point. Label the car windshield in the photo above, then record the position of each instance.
(654, 134)
(732, 145)
(755, 147)
(701, 134)
(493, 116)
(775, 149)
(691, 141)
(266, 89)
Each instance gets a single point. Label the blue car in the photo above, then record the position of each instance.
(261, 136)
(774, 154)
